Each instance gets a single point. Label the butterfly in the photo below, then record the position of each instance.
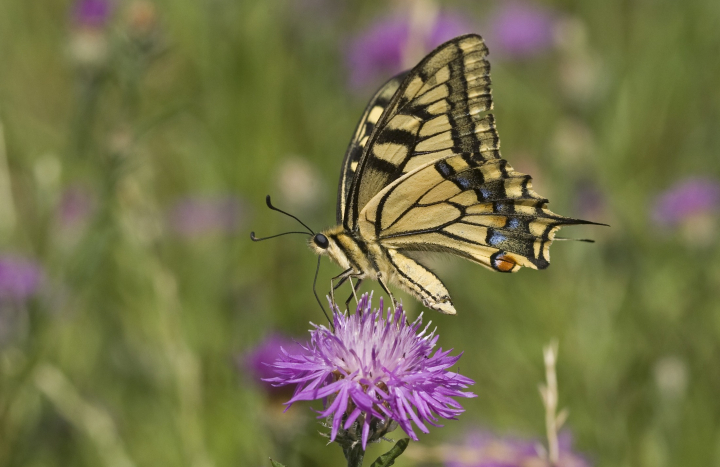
(423, 173)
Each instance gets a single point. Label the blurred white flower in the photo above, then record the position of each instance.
(580, 69)
(573, 143)
(671, 377)
(88, 48)
(299, 183)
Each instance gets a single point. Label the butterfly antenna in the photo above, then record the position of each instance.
(317, 270)
(256, 239)
(269, 204)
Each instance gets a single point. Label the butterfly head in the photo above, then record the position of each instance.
(325, 242)
(328, 243)
(322, 244)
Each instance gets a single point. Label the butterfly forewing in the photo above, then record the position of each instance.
(438, 111)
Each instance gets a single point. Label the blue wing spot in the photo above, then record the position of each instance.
(496, 239)
(513, 223)
(504, 208)
(444, 169)
(464, 183)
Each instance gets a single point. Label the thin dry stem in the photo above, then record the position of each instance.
(549, 395)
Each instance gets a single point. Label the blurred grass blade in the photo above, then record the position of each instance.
(7, 205)
(92, 420)
(275, 463)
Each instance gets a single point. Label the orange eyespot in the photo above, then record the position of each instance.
(503, 262)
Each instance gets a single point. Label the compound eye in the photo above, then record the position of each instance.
(321, 241)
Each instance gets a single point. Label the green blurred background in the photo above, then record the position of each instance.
(138, 142)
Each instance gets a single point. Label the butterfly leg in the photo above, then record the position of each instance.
(341, 278)
(353, 294)
(387, 291)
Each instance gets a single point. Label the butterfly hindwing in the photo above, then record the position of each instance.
(438, 111)
(374, 110)
(482, 210)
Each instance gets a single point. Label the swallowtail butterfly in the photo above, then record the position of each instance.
(423, 172)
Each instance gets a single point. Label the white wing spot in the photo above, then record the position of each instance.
(375, 114)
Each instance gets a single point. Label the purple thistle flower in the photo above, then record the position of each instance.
(257, 362)
(192, 217)
(20, 278)
(486, 449)
(687, 198)
(377, 53)
(374, 371)
(92, 13)
(520, 29)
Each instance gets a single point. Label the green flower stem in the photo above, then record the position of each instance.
(354, 455)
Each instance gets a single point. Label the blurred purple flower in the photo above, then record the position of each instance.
(691, 196)
(690, 208)
(486, 449)
(257, 362)
(75, 207)
(376, 54)
(91, 13)
(520, 29)
(590, 201)
(20, 278)
(375, 372)
(195, 216)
